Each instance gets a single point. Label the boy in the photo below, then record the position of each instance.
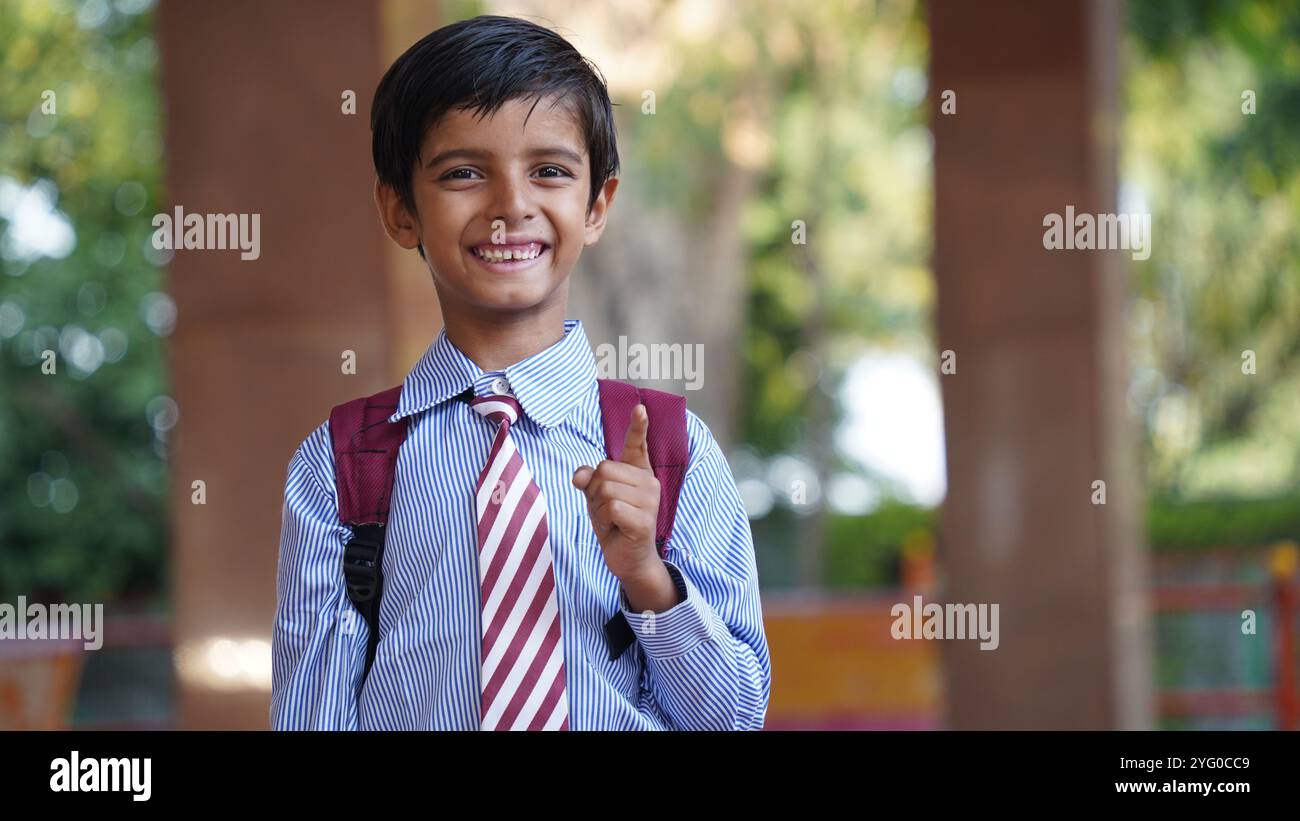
(506, 552)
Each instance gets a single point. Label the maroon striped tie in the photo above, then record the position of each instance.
(523, 656)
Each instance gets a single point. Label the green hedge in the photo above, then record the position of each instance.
(865, 551)
(1174, 525)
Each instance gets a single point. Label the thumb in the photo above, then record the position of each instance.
(635, 450)
(582, 477)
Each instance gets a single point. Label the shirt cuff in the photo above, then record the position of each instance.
(677, 630)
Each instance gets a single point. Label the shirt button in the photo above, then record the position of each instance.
(500, 386)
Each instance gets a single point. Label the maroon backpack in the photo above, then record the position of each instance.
(365, 466)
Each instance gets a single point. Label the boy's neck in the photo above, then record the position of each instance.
(496, 342)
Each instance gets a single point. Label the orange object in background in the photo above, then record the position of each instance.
(38, 683)
(917, 567)
(1283, 563)
(836, 667)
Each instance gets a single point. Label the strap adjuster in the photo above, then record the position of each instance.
(361, 562)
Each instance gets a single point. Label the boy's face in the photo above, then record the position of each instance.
(497, 186)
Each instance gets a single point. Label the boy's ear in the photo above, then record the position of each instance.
(397, 220)
(599, 211)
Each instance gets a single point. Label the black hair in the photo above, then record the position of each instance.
(479, 64)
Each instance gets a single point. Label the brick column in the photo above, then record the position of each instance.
(252, 95)
(1035, 412)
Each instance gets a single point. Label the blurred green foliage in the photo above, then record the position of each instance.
(1223, 187)
(851, 162)
(82, 471)
(1177, 524)
(820, 106)
(864, 551)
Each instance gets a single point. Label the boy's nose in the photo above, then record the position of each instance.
(511, 201)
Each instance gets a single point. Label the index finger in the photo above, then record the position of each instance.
(635, 450)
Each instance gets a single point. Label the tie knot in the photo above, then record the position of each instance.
(497, 408)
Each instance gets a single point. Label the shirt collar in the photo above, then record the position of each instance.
(548, 384)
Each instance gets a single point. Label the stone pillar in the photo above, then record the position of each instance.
(252, 94)
(1035, 413)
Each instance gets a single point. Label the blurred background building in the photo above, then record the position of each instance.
(842, 202)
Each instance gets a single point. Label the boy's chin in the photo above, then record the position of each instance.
(485, 295)
(514, 301)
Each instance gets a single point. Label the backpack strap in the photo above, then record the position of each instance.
(365, 447)
(669, 446)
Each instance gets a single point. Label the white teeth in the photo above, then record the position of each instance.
(493, 255)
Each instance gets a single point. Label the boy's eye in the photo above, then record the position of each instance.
(450, 175)
(547, 171)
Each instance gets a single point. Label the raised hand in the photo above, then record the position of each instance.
(623, 502)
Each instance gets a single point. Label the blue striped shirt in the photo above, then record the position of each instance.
(703, 664)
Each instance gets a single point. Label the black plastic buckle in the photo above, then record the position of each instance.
(618, 635)
(361, 564)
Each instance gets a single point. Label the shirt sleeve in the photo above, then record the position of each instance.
(318, 640)
(707, 658)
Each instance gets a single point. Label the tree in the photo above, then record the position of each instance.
(82, 450)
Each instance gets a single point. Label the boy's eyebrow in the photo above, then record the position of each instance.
(478, 154)
(556, 151)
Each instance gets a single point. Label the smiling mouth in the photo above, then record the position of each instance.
(509, 256)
